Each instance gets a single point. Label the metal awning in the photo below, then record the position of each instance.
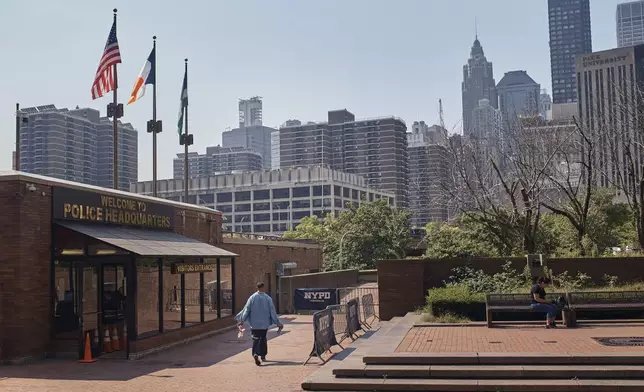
(147, 242)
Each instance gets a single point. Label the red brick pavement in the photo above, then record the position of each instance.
(521, 339)
(220, 363)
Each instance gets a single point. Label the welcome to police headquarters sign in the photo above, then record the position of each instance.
(315, 299)
(77, 205)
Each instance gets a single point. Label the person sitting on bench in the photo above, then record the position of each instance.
(538, 302)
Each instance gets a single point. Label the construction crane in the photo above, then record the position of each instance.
(441, 119)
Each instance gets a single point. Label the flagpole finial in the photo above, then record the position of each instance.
(154, 37)
(115, 11)
(186, 60)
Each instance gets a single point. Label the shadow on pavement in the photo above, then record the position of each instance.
(201, 353)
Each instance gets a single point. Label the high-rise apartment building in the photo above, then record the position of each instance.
(250, 112)
(429, 174)
(275, 150)
(217, 160)
(478, 83)
(255, 137)
(519, 96)
(375, 149)
(77, 145)
(610, 82)
(630, 23)
(570, 36)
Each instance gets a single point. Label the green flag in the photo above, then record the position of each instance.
(184, 102)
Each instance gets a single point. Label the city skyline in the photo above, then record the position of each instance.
(411, 90)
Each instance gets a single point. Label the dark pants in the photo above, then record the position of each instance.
(550, 309)
(260, 345)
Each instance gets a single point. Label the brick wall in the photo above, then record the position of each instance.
(256, 263)
(401, 288)
(328, 280)
(25, 259)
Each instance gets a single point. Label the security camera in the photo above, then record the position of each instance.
(31, 187)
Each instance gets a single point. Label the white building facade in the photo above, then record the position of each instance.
(272, 201)
(630, 23)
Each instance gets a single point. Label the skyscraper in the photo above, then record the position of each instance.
(250, 112)
(519, 95)
(375, 149)
(254, 137)
(217, 160)
(76, 145)
(630, 23)
(570, 36)
(429, 175)
(478, 83)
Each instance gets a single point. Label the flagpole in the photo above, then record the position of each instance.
(115, 123)
(185, 158)
(154, 117)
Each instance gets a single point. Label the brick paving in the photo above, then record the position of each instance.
(220, 363)
(520, 339)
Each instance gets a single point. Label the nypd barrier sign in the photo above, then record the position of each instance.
(315, 299)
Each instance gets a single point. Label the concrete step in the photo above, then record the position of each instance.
(615, 358)
(492, 372)
(472, 385)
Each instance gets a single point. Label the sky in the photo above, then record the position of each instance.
(372, 57)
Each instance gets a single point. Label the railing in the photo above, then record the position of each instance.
(264, 237)
(348, 293)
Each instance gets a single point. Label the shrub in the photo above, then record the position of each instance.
(446, 318)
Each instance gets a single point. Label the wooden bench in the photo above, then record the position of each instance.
(604, 300)
(502, 303)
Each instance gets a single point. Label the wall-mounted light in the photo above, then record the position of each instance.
(72, 252)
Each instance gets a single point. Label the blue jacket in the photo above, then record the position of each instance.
(259, 312)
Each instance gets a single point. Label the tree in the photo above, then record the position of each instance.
(445, 240)
(359, 236)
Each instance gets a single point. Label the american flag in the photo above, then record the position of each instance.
(104, 80)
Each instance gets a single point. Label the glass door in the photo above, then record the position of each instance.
(113, 299)
(68, 306)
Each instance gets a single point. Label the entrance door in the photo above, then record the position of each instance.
(112, 298)
(68, 308)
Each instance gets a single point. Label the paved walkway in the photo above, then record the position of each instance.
(220, 363)
(521, 339)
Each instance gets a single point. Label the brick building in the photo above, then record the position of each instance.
(79, 260)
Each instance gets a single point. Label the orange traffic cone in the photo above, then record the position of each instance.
(115, 340)
(107, 345)
(95, 343)
(87, 358)
(124, 340)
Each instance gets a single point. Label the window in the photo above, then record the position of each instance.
(317, 202)
(261, 217)
(242, 218)
(225, 208)
(354, 194)
(172, 297)
(301, 204)
(363, 195)
(302, 191)
(326, 190)
(280, 227)
(192, 199)
(206, 199)
(242, 207)
(338, 203)
(261, 206)
(147, 297)
(337, 190)
(263, 194)
(297, 215)
(243, 228)
(224, 197)
(281, 205)
(346, 192)
(280, 215)
(242, 196)
(282, 193)
(263, 228)
(317, 190)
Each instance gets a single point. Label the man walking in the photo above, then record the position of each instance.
(261, 315)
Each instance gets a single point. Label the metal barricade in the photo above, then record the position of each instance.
(368, 309)
(340, 326)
